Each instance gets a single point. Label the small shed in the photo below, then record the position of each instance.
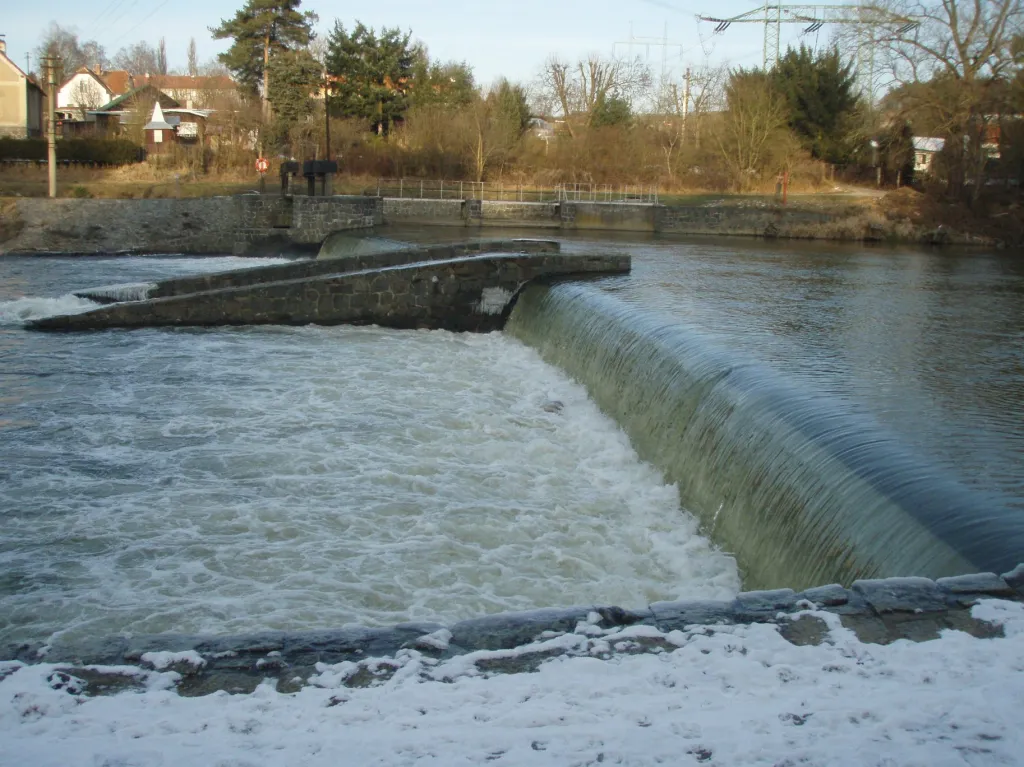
(925, 149)
(160, 133)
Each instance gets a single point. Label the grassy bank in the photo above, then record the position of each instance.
(856, 214)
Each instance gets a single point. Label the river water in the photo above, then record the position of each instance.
(223, 480)
(226, 480)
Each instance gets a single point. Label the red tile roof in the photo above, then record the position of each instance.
(119, 81)
(186, 82)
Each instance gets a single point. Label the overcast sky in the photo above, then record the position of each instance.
(495, 38)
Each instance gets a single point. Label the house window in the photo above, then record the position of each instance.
(158, 137)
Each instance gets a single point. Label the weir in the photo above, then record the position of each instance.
(466, 287)
(798, 492)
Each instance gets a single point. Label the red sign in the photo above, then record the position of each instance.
(262, 165)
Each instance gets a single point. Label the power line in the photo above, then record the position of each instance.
(668, 7)
(111, 7)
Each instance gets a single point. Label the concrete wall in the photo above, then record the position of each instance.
(240, 224)
(467, 294)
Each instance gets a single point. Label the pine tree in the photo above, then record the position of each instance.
(260, 30)
(371, 74)
(820, 93)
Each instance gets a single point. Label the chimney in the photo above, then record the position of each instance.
(3, 45)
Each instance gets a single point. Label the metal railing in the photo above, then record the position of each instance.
(433, 189)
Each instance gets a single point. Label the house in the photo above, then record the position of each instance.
(159, 132)
(174, 126)
(21, 100)
(193, 91)
(84, 90)
(129, 109)
(87, 89)
(925, 149)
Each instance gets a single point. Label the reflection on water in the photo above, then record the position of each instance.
(929, 343)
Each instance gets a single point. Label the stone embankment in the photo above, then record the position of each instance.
(606, 216)
(460, 288)
(254, 224)
(878, 611)
(242, 224)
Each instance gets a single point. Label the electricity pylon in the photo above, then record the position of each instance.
(864, 18)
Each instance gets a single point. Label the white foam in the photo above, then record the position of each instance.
(21, 310)
(131, 291)
(353, 475)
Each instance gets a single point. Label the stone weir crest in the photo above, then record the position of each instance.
(463, 287)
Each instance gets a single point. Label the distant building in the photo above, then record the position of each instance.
(925, 149)
(129, 109)
(21, 100)
(174, 125)
(87, 90)
(190, 91)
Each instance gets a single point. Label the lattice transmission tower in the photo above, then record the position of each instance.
(865, 19)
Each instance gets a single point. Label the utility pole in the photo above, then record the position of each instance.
(51, 135)
(686, 100)
(812, 17)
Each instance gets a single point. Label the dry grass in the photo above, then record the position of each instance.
(130, 181)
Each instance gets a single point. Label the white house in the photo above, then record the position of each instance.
(83, 91)
(194, 92)
(925, 149)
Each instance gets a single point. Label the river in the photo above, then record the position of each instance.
(221, 480)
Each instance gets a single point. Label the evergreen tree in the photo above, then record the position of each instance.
(611, 110)
(193, 59)
(371, 74)
(449, 84)
(294, 77)
(820, 93)
(260, 30)
(513, 108)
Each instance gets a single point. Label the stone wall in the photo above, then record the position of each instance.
(532, 214)
(407, 211)
(877, 611)
(733, 220)
(239, 224)
(295, 270)
(262, 224)
(466, 294)
(620, 217)
(602, 216)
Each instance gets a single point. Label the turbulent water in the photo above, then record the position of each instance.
(237, 479)
(246, 478)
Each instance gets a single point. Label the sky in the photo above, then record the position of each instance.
(510, 39)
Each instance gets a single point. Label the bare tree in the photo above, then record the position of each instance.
(71, 53)
(953, 61)
(139, 59)
(578, 88)
(754, 120)
(86, 95)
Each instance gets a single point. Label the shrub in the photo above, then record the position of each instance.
(98, 151)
